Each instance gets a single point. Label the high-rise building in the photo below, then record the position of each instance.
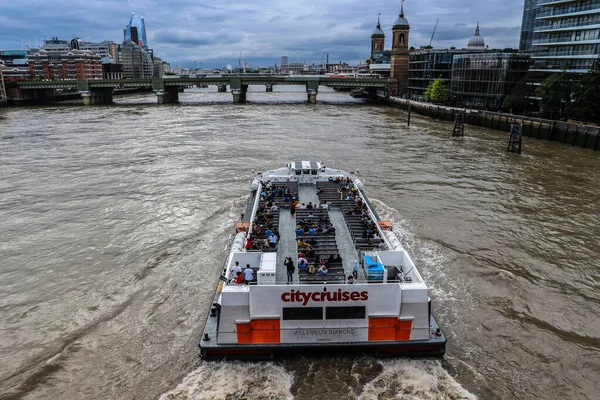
(566, 34)
(529, 10)
(284, 61)
(136, 21)
(136, 60)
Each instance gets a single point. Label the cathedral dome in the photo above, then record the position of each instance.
(476, 42)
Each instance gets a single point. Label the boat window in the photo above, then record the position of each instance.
(295, 313)
(313, 171)
(298, 172)
(306, 171)
(345, 312)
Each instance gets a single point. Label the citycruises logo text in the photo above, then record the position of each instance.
(339, 295)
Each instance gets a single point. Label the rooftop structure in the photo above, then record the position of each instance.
(476, 42)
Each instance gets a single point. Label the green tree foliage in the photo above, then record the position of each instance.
(586, 96)
(517, 102)
(436, 92)
(555, 93)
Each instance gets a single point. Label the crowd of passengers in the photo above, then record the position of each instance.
(317, 267)
(264, 233)
(369, 226)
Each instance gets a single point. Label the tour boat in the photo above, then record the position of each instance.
(354, 287)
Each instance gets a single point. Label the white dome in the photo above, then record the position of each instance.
(476, 42)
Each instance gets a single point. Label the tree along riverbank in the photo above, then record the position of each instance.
(580, 135)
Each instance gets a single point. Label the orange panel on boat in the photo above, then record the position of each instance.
(243, 333)
(383, 328)
(265, 331)
(404, 328)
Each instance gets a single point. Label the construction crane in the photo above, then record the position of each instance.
(433, 34)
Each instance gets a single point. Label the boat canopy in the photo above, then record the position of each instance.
(306, 166)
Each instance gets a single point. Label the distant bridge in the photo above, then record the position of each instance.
(167, 89)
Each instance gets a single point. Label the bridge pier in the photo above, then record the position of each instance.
(168, 95)
(312, 95)
(269, 87)
(239, 95)
(97, 96)
(221, 88)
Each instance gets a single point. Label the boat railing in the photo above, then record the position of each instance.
(424, 332)
(255, 207)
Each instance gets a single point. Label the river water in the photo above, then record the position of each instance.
(114, 221)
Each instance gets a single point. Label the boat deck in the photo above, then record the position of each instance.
(346, 241)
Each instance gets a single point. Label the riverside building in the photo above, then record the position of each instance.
(475, 76)
(566, 34)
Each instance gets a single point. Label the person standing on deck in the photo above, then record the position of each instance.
(355, 269)
(293, 209)
(289, 264)
(248, 274)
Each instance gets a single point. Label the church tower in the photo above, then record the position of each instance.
(399, 67)
(377, 39)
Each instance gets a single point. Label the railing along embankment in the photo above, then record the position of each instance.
(580, 135)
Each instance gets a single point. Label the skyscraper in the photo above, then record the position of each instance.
(529, 11)
(566, 34)
(137, 21)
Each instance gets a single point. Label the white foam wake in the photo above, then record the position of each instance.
(234, 380)
(414, 380)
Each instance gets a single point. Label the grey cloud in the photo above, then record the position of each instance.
(179, 30)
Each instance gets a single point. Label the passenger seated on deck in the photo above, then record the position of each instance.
(296, 197)
(322, 261)
(331, 229)
(321, 190)
(272, 241)
(287, 199)
(330, 259)
(311, 269)
(323, 270)
(268, 232)
(265, 244)
(337, 259)
(350, 280)
(273, 207)
(310, 206)
(302, 260)
(302, 206)
(299, 230)
(311, 254)
(312, 231)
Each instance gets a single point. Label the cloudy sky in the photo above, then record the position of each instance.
(214, 33)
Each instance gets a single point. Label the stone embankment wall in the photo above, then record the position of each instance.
(585, 136)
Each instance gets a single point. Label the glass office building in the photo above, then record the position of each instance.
(483, 80)
(566, 33)
(137, 21)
